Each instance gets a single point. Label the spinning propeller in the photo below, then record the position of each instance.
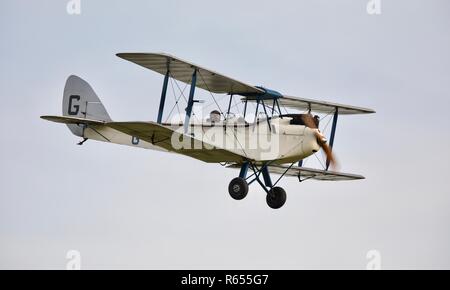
(311, 122)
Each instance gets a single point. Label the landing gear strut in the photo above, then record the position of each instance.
(238, 188)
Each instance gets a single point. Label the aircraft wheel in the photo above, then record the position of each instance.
(238, 188)
(276, 197)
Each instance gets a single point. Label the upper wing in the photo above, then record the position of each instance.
(161, 136)
(317, 106)
(307, 173)
(182, 70)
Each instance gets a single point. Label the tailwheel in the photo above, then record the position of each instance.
(238, 188)
(276, 197)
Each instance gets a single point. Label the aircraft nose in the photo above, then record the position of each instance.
(310, 143)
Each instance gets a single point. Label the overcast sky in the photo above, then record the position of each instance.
(122, 207)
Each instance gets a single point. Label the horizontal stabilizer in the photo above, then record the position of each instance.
(72, 120)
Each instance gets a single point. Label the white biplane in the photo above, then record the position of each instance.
(270, 142)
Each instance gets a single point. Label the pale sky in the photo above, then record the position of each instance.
(122, 207)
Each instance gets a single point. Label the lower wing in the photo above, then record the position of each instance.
(304, 173)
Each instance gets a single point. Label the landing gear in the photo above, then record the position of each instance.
(238, 188)
(276, 197)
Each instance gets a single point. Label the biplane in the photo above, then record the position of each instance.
(260, 142)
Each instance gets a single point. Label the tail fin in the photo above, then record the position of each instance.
(81, 101)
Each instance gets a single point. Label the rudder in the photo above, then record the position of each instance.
(80, 100)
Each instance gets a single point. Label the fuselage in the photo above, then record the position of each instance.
(282, 141)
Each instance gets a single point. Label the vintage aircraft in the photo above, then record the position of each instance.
(272, 142)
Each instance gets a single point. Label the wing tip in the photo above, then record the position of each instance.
(47, 117)
(369, 111)
(124, 55)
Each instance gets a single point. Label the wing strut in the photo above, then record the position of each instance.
(229, 106)
(245, 108)
(333, 131)
(163, 96)
(190, 101)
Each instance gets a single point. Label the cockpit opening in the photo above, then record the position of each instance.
(302, 119)
(214, 117)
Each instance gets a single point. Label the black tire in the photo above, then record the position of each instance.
(238, 188)
(276, 197)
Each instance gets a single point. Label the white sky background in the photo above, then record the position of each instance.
(129, 208)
